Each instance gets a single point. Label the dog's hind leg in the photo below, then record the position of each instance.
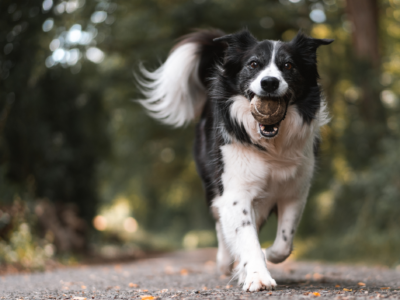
(289, 214)
(224, 257)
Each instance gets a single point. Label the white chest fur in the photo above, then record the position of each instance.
(287, 159)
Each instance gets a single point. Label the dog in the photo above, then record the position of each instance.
(248, 169)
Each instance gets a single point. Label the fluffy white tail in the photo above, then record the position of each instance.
(174, 92)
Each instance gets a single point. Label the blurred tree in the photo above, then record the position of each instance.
(364, 16)
(53, 125)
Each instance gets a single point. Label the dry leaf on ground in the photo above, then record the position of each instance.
(133, 285)
(184, 272)
(147, 297)
(316, 294)
(361, 284)
(318, 276)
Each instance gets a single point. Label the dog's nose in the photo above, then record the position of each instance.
(269, 84)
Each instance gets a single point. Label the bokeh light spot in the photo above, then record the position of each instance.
(389, 99)
(74, 56)
(71, 6)
(58, 55)
(95, 55)
(47, 5)
(54, 45)
(59, 9)
(130, 225)
(48, 25)
(167, 155)
(100, 223)
(318, 16)
(50, 62)
(98, 17)
(74, 34)
(8, 48)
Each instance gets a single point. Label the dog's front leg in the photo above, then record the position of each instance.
(289, 214)
(238, 225)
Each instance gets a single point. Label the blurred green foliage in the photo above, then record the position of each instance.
(69, 131)
(20, 245)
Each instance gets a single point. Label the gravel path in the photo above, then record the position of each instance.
(192, 275)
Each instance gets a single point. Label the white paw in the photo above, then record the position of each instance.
(258, 280)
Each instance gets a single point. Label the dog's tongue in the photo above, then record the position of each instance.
(268, 111)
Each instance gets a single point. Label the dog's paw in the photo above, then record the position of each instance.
(257, 281)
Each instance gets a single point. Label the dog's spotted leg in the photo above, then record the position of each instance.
(289, 214)
(224, 257)
(238, 225)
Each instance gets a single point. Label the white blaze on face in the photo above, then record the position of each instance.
(273, 71)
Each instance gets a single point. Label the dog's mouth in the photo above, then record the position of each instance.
(269, 131)
(269, 112)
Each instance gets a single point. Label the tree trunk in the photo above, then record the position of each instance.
(364, 17)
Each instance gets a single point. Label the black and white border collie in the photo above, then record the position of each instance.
(248, 169)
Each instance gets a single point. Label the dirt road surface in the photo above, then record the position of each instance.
(193, 275)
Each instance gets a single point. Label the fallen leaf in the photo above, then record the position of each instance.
(361, 284)
(347, 290)
(83, 287)
(318, 276)
(78, 298)
(147, 297)
(306, 293)
(316, 294)
(385, 288)
(184, 272)
(117, 267)
(117, 287)
(338, 285)
(210, 263)
(164, 291)
(204, 288)
(229, 286)
(133, 285)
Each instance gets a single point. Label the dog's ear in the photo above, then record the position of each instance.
(305, 43)
(305, 54)
(241, 40)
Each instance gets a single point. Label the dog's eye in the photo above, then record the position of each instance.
(253, 64)
(288, 66)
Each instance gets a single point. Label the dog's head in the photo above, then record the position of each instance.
(273, 73)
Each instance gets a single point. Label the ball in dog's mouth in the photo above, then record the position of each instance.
(268, 112)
